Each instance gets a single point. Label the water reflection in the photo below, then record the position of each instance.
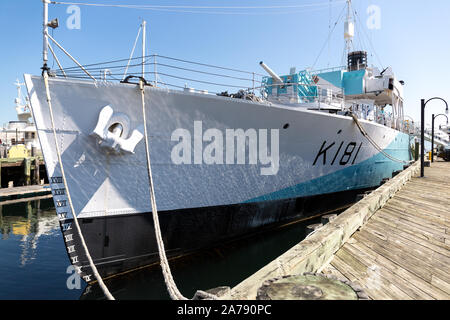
(29, 220)
(33, 258)
(34, 262)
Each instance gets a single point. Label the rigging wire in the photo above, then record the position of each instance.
(134, 6)
(132, 52)
(208, 65)
(118, 68)
(86, 66)
(329, 37)
(200, 9)
(356, 15)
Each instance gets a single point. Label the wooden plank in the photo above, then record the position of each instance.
(399, 282)
(411, 202)
(403, 259)
(441, 284)
(420, 215)
(420, 252)
(22, 191)
(367, 278)
(427, 184)
(347, 272)
(331, 270)
(409, 258)
(436, 227)
(374, 278)
(441, 234)
(401, 272)
(412, 231)
(426, 187)
(410, 237)
(422, 201)
(428, 213)
(404, 225)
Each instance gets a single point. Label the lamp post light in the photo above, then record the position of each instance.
(422, 133)
(432, 133)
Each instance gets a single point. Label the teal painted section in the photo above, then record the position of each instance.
(334, 77)
(353, 82)
(366, 174)
(307, 91)
(302, 84)
(267, 85)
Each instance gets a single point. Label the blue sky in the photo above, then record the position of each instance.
(413, 38)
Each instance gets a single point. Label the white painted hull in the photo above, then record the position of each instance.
(102, 185)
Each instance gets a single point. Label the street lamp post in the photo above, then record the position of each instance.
(422, 132)
(432, 133)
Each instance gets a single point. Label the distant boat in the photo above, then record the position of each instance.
(223, 165)
(20, 134)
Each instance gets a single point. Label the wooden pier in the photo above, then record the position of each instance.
(394, 244)
(21, 171)
(23, 192)
(403, 251)
(22, 177)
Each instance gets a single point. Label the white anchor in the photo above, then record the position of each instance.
(108, 133)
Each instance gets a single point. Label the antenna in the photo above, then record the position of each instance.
(349, 28)
(144, 23)
(45, 31)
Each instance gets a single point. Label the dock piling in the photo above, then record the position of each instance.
(36, 171)
(27, 171)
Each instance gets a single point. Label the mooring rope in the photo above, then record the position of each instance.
(102, 285)
(172, 288)
(372, 142)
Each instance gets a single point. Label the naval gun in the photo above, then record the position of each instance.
(275, 77)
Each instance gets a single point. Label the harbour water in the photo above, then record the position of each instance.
(34, 262)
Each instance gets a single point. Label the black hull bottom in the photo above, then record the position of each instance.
(122, 243)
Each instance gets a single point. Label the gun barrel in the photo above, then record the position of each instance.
(271, 73)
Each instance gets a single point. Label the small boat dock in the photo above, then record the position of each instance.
(394, 243)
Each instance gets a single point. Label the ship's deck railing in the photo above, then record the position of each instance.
(168, 72)
(164, 71)
(291, 94)
(330, 69)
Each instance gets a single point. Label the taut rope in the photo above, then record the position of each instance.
(75, 219)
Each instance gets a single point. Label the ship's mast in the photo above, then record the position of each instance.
(45, 37)
(349, 29)
(144, 24)
(18, 100)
